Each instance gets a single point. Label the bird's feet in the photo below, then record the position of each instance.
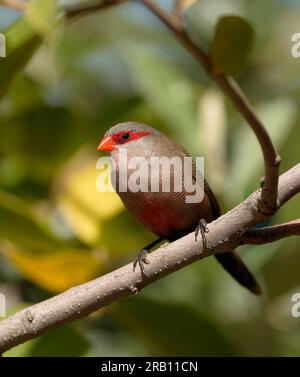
(141, 259)
(202, 227)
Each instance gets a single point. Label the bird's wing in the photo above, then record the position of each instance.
(230, 261)
(213, 201)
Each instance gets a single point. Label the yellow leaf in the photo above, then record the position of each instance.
(41, 15)
(56, 271)
(97, 218)
(83, 206)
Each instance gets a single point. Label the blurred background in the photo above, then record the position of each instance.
(62, 85)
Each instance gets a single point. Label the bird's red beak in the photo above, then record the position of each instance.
(107, 144)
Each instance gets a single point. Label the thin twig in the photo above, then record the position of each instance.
(268, 202)
(75, 11)
(267, 234)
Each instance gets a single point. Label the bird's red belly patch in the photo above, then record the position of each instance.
(160, 218)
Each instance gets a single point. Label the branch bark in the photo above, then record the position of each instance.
(225, 234)
(75, 11)
(259, 236)
(20, 5)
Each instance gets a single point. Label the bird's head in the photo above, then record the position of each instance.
(126, 135)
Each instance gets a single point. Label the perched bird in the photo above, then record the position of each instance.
(167, 214)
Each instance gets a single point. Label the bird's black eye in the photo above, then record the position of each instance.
(126, 136)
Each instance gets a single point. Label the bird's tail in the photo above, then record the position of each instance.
(237, 269)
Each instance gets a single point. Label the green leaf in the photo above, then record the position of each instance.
(23, 37)
(172, 329)
(40, 137)
(19, 225)
(231, 45)
(21, 43)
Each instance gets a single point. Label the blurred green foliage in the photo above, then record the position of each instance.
(61, 88)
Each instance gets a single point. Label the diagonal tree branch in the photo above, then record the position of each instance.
(225, 234)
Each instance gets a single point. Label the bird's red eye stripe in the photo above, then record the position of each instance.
(118, 137)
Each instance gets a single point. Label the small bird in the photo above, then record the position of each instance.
(167, 214)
